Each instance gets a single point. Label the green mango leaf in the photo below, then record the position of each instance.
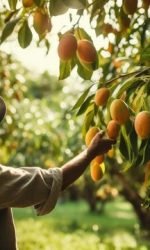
(24, 35)
(57, 7)
(128, 127)
(133, 82)
(85, 70)
(141, 144)
(47, 45)
(125, 86)
(80, 33)
(85, 105)
(123, 147)
(128, 142)
(133, 139)
(146, 202)
(8, 29)
(147, 103)
(87, 122)
(97, 8)
(75, 4)
(82, 98)
(84, 73)
(39, 2)
(12, 4)
(142, 156)
(145, 27)
(135, 163)
(138, 101)
(64, 69)
(10, 15)
(145, 54)
(102, 118)
(145, 152)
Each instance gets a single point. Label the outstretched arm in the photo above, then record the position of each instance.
(73, 169)
(40, 188)
(32, 186)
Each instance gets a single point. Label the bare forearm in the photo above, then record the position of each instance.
(73, 169)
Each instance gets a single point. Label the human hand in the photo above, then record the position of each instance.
(100, 144)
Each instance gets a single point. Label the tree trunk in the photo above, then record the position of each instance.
(131, 195)
(89, 195)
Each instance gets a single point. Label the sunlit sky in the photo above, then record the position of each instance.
(35, 58)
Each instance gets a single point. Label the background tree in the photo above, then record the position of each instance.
(114, 56)
(38, 126)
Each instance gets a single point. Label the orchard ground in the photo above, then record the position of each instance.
(72, 226)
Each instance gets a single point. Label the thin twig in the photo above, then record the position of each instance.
(136, 73)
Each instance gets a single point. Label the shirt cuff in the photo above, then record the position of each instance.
(54, 192)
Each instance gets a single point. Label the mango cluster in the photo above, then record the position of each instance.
(120, 115)
(41, 18)
(70, 47)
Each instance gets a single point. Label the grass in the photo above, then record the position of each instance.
(70, 226)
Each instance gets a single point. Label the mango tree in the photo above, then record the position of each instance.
(113, 60)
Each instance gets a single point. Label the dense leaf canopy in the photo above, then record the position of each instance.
(118, 34)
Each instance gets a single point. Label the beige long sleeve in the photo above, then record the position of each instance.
(30, 186)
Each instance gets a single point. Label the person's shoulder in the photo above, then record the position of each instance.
(2, 168)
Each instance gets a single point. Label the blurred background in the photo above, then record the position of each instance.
(40, 129)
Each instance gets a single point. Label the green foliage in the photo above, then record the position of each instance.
(74, 232)
(12, 4)
(35, 129)
(39, 2)
(125, 40)
(24, 35)
(82, 98)
(147, 199)
(65, 69)
(75, 4)
(122, 42)
(145, 55)
(8, 29)
(57, 7)
(131, 147)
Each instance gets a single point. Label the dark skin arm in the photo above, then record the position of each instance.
(73, 169)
